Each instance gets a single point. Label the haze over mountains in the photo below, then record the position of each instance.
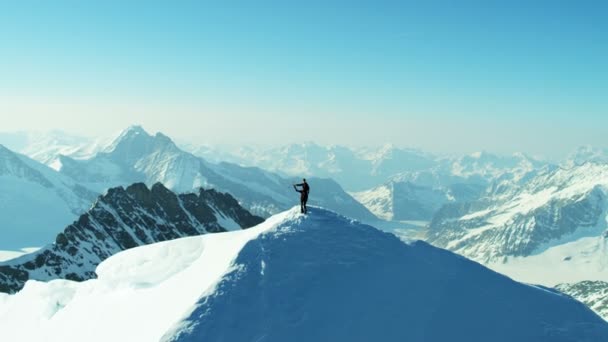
(533, 220)
(136, 156)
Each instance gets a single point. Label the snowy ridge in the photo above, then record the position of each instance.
(123, 219)
(123, 302)
(553, 208)
(420, 193)
(378, 200)
(136, 156)
(401, 200)
(593, 293)
(293, 278)
(35, 200)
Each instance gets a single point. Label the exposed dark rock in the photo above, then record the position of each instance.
(122, 219)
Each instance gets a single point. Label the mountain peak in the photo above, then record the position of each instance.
(122, 219)
(480, 155)
(135, 129)
(134, 143)
(129, 136)
(321, 261)
(293, 278)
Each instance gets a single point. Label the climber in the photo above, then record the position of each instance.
(303, 194)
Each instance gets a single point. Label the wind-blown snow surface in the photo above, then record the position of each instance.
(138, 296)
(320, 277)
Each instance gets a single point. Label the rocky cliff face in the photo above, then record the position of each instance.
(594, 294)
(123, 219)
(553, 208)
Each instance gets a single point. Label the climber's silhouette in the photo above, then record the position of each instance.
(303, 195)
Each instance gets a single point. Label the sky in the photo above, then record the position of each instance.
(444, 76)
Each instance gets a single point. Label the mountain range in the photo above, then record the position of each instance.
(299, 278)
(37, 200)
(136, 156)
(535, 221)
(123, 219)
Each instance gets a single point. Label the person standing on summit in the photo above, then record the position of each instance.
(303, 195)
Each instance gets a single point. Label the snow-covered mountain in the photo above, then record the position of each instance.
(294, 278)
(594, 294)
(123, 219)
(586, 154)
(550, 230)
(136, 156)
(418, 195)
(419, 182)
(46, 147)
(398, 200)
(35, 200)
(356, 169)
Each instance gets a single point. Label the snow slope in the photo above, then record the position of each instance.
(398, 200)
(8, 255)
(593, 293)
(550, 229)
(138, 296)
(136, 156)
(320, 277)
(420, 193)
(571, 262)
(123, 219)
(553, 208)
(35, 201)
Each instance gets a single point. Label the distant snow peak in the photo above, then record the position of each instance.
(548, 228)
(136, 156)
(477, 155)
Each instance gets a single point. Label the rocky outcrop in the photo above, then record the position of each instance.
(123, 219)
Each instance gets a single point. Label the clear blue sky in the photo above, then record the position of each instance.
(441, 75)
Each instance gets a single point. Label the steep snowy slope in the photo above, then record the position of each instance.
(136, 156)
(553, 208)
(320, 277)
(594, 294)
(123, 219)
(418, 195)
(35, 201)
(12, 254)
(405, 201)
